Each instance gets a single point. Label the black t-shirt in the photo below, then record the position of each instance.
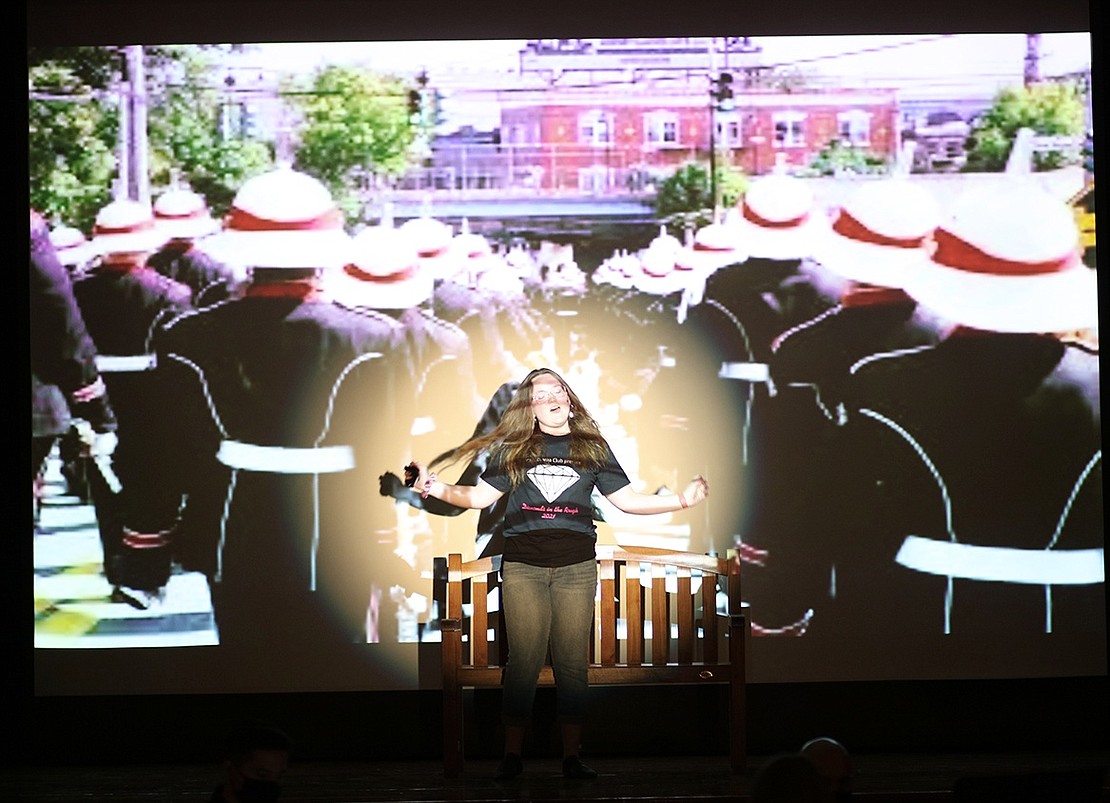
(549, 517)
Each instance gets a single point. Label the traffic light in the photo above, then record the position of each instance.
(416, 103)
(722, 92)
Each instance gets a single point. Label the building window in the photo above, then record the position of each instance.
(729, 129)
(661, 129)
(595, 179)
(595, 128)
(789, 129)
(854, 127)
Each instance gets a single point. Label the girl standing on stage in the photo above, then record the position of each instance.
(547, 453)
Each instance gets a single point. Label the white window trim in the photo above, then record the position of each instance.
(790, 118)
(591, 119)
(858, 121)
(723, 120)
(655, 124)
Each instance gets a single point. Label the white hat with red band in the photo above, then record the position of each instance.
(384, 272)
(282, 219)
(126, 227)
(659, 274)
(716, 245)
(779, 218)
(183, 214)
(432, 239)
(879, 232)
(71, 245)
(1008, 261)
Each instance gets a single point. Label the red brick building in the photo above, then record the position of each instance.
(610, 139)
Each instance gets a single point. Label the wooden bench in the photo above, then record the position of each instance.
(643, 592)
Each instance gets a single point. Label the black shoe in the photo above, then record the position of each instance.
(510, 767)
(574, 768)
(119, 595)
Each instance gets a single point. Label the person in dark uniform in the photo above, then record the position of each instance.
(287, 401)
(385, 281)
(183, 216)
(124, 303)
(386, 278)
(744, 305)
(479, 292)
(65, 384)
(970, 521)
(76, 253)
(778, 224)
(876, 237)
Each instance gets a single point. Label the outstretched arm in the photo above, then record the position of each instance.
(477, 496)
(631, 501)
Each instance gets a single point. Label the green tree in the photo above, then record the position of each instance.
(1047, 108)
(836, 158)
(72, 133)
(685, 198)
(355, 123)
(186, 103)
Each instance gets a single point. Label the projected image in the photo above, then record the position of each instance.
(849, 280)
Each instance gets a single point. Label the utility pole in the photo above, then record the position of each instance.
(134, 175)
(1032, 58)
(720, 100)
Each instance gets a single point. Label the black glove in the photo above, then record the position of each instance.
(98, 412)
(389, 484)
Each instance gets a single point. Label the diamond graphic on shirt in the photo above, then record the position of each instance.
(552, 480)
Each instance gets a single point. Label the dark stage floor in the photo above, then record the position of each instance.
(900, 778)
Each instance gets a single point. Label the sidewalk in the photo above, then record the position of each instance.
(73, 601)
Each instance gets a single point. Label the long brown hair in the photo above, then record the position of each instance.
(518, 441)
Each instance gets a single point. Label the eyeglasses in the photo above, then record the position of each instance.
(544, 397)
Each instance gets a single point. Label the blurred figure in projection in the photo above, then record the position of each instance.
(125, 304)
(76, 254)
(183, 216)
(877, 236)
(284, 401)
(967, 502)
(385, 280)
(489, 538)
(65, 384)
(744, 305)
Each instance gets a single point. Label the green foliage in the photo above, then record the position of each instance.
(185, 135)
(94, 67)
(685, 197)
(72, 133)
(837, 159)
(355, 123)
(74, 130)
(1047, 108)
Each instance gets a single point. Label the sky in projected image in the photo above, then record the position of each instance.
(930, 65)
(908, 500)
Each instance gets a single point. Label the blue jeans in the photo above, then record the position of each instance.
(542, 606)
